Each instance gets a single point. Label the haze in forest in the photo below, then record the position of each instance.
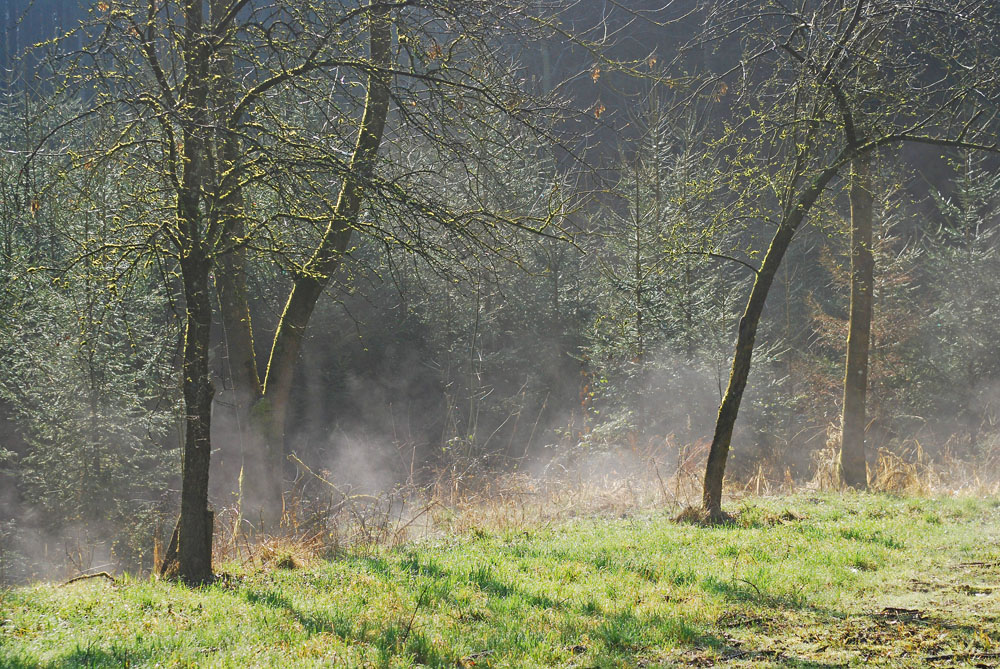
(353, 260)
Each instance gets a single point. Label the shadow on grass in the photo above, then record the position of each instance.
(622, 634)
(483, 577)
(89, 656)
(876, 537)
(625, 632)
(647, 570)
(742, 591)
(747, 592)
(397, 639)
(867, 633)
(630, 636)
(314, 623)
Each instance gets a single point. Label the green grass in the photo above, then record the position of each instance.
(809, 580)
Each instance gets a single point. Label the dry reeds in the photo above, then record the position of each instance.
(321, 519)
(908, 472)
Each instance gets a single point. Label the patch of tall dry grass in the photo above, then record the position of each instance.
(321, 519)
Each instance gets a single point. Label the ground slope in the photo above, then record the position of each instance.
(808, 580)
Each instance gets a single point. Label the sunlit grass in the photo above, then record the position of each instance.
(808, 580)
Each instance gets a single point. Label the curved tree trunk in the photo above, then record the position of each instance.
(261, 409)
(242, 446)
(853, 471)
(269, 414)
(740, 372)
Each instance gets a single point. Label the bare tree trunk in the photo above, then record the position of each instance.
(194, 544)
(195, 526)
(269, 414)
(853, 471)
(740, 372)
(717, 455)
(245, 446)
(242, 449)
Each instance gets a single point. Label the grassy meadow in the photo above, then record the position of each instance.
(808, 580)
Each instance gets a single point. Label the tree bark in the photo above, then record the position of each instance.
(244, 446)
(195, 526)
(194, 544)
(740, 372)
(853, 471)
(747, 333)
(268, 415)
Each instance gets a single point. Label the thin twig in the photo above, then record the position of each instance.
(413, 616)
(961, 656)
(753, 585)
(663, 487)
(991, 563)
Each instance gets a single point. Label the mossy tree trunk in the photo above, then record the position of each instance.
(231, 277)
(194, 545)
(267, 412)
(194, 548)
(853, 471)
(746, 335)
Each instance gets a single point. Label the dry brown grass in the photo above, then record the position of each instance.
(908, 472)
(908, 469)
(322, 519)
(826, 464)
(286, 552)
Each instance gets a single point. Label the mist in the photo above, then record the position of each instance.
(524, 291)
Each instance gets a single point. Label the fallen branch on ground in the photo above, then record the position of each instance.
(100, 574)
(961, 656)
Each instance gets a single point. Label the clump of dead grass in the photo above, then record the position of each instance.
(909, 469)
(826, 462)
(693, 515)
(908, 472)
(286, 552)
(238, 541)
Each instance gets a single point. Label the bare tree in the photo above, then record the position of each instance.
(448, 85)
(819, 86)
(263, 401)
(258, 130)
